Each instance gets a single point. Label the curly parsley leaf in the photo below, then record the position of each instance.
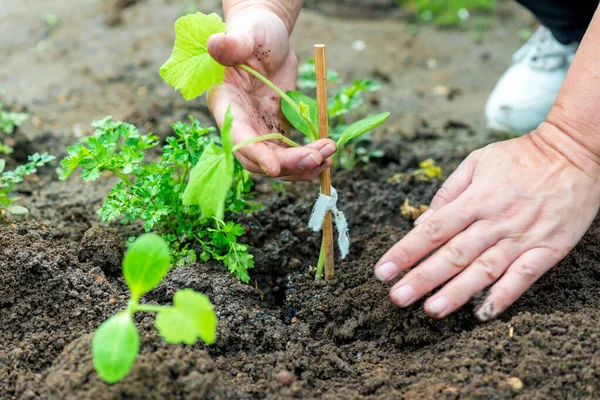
(190, 68)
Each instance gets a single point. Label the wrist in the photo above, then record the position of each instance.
(557, 139)
(287, 10)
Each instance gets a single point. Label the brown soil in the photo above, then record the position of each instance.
(285, 335)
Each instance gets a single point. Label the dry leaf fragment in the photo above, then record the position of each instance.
(412, 213)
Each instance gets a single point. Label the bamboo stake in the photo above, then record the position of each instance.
(321, 73)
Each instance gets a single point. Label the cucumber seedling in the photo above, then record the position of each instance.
(116, 342)
(193, 71)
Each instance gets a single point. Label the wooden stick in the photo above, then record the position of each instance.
(321, 72)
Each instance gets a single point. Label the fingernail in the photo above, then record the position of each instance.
(386, 271)
(486, 312)
(403, 295)
(309, 162)
(438, 307)
(423, 216)
(328, 150)
(264, 169)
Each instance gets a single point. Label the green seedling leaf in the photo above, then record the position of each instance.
(295, 118)
(17, 210)
(212, 176)
(191, 317)
(360, 127)
(190, 68)
(145, 264)
(2, 165)
(115, 347)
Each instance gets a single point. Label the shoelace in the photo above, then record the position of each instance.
(542, 51)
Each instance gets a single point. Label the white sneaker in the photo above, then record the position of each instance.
(524, 95)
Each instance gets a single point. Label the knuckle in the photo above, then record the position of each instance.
(528, 272)
(455, 256)
(433, 230)
(443, 194)
(402, 256)
(421, 279)
(490, 268)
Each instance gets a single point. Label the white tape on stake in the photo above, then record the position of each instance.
(326, 203)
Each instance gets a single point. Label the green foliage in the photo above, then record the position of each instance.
(307, 109)
(190, 68)
(307, 79)
(448, 13)
(115, 347)
(116, 343)
(145, 264)
(212, 176)
(360, 127)
(346, 101)
(9, 121)
(153, 192)
(10, 179)
(191, 318)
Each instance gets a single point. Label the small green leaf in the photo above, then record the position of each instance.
(360, 127)
(115, 347)
(212, 176)
(295, 118)
(191, 317)
(190, 68)
(2, 165)
(17, 210)
(145, 264)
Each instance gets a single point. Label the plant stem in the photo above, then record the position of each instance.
(284, 96)
(269, 136)
(148, 307)
(123, 177)
(270, 84)
(321, 262)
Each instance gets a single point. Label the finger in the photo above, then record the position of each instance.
(448, 261)
(456, 184)
(309, 175)
(249, 165)
(300, 160)
(233, 47)
(518, 278)
(482, 272)
(426, 237)
(219, 100)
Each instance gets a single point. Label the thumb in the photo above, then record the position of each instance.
(456, 184)
(233, 47)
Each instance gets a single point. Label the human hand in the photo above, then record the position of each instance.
(510, 212)
(258, 37)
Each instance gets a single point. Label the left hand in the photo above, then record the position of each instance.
(510, 212)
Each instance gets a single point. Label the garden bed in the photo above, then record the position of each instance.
(283, 334)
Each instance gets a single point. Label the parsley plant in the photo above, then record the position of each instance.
(10, 179)
(155, 192)
(116, 342)
(9, 121)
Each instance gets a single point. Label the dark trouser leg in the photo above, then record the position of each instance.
(566, 19)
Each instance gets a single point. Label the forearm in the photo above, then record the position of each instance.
(576, 112)
(287, 10)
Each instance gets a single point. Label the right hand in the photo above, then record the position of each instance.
(257, 37)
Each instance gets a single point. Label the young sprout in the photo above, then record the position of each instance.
(116, 343)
